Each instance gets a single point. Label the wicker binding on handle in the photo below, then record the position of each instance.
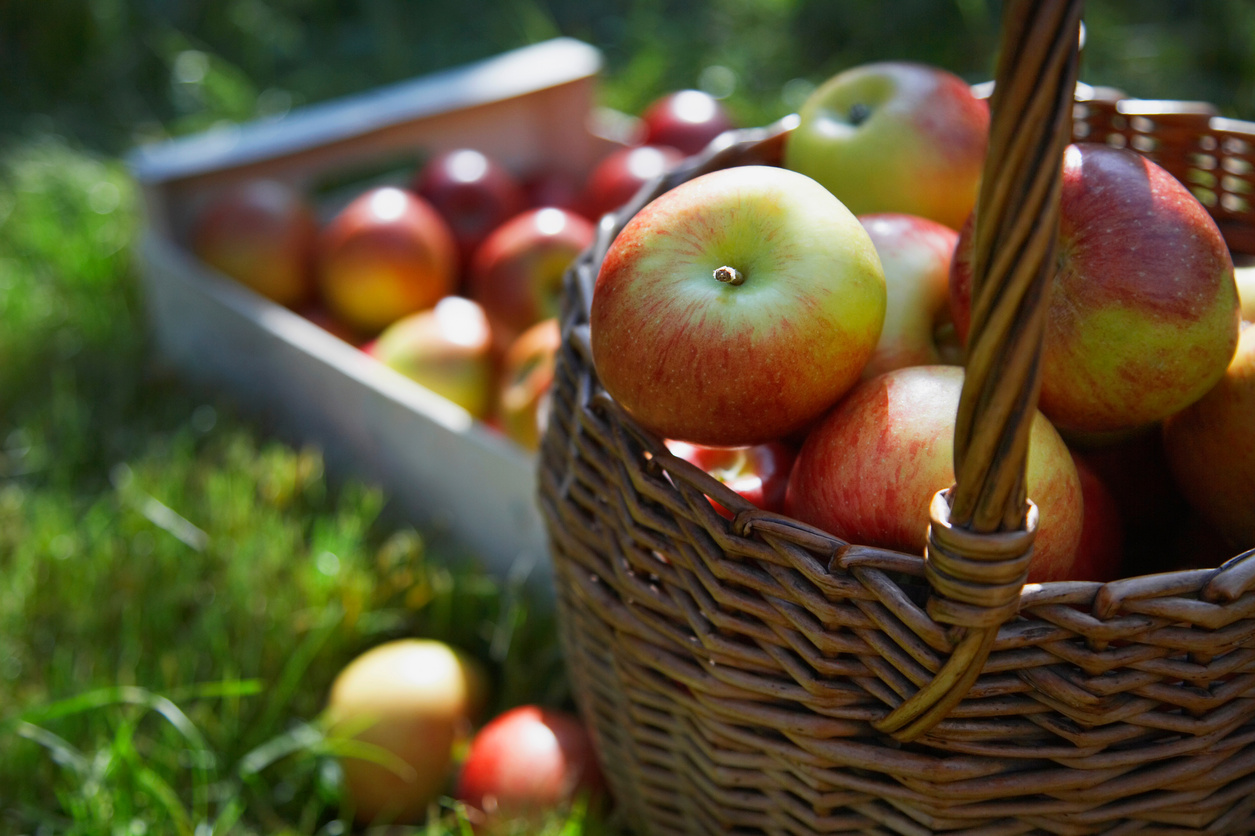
(761, 676)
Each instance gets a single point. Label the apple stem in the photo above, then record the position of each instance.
(859, 113)
(729, 275)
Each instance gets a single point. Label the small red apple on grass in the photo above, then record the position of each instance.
(386, 254)
(868, 471)
(620, 175)
(736, 308)
(517, 272)
(894, 137)
(686, 120)
(1143, 310)
(395, 714)
(473, 193)
(448, 349)
(915, 254)
(1210, 447)
(760, 474)
(527, 375)
(526, 762)
(262, 233)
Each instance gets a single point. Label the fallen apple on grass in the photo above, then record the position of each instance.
(736, 308)
(686, 120)
(395, 714)
(387, 254)
(1143, 312)
(760, 474)
(448, 349)
(868, 471)
(894, 136)
(525, 762)
(262, 233)
(915, 254)
(473, 193)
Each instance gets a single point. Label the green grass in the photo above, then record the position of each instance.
(177, 591)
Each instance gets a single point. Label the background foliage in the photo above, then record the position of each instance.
(177, 589)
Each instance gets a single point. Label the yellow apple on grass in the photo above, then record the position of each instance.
(737, 307)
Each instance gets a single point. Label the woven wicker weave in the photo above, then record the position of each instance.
(761, 676)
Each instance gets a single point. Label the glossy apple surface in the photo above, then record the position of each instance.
(620, 175)
(760, 474)
(262, 233)
(473, 193)
(528, 761)
(517, 272)
(894, 137)
(1210, 447)
(1143, 313)
(736, 308)
(411, 701)
(915, 254)
(686, 120)
(387, 254)
(868, 471)
(447, 349)
(527, 375)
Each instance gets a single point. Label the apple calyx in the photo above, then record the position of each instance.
(859, 113)
(730, 275)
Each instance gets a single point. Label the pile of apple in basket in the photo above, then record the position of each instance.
(798, 331)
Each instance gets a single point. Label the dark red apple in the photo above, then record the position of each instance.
(472, 192)
(527, 761)
(686, 120)
(261, 233)
(1100, 552)
(385, 255)
(760, 474)
(517, 272)
(621, 174)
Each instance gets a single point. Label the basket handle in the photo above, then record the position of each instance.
(980, 539)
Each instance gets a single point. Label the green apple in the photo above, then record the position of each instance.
(737, 307)
(894, 137)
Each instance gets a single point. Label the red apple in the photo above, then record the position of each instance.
(686, 120)
(387, 254)
(261, 233)
(552, 187)
(447, 349)
(527, 375)
(1211, 449)
(868, 471)
(517, 272)
(528, 761)
(915, 254)
(1100, 552)
(736, 308)
(894, 137)
(1143, 312)
(760, 474)
(622, 173)
(410, 702)
(472, 192)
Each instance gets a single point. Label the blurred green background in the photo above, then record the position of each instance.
(177, 589)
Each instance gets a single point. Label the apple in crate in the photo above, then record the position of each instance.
(915, 254)
(262, 233)
(386, 254)
(1211, 449)
(527, 375)
(1143, 311)
(868, 471)
(447, 349)
(526, 762)
(473, 193)
(736, 308)
(517, 272)
(620, 175)
(760, 474)
(686, 120)
(894, 136)
(395, 715)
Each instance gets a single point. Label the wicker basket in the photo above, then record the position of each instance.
(760, 676)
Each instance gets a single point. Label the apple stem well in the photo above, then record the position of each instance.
(859, 113)
(729, 275)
